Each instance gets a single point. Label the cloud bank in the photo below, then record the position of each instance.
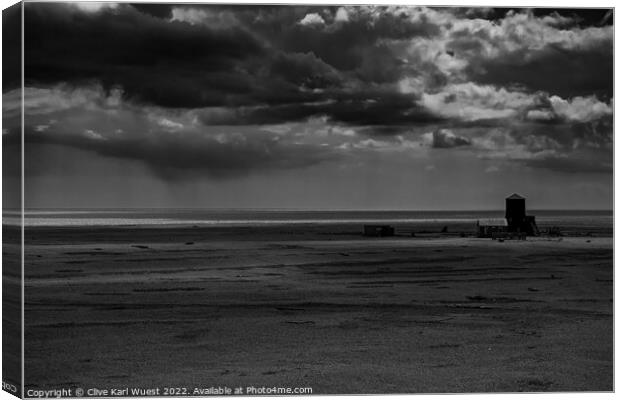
(224, 91)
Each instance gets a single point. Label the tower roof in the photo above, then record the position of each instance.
(515, 196)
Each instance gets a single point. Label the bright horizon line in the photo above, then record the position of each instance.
(299, 209)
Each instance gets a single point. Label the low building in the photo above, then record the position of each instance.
(490, 227)
(378, 230)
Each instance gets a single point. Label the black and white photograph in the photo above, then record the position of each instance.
(306, 199)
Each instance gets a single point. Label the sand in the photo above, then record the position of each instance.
(316, 307)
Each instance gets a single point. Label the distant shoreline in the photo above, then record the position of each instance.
(285, 209)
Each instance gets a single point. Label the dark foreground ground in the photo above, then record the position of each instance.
(301, 307)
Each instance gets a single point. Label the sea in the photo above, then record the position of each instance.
(574, 219)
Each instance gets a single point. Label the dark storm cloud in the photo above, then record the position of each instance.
(370, 108)
(189, 51)
(555, 70)
(338, 35)
(381, 71)
(551, 53)
(196, 155)
(385, 130)
(583, 17)
(387, 109)
(344, 45)
(305, 70)
(172, 64)
(158, 10)
(180, 64)
(474, 12)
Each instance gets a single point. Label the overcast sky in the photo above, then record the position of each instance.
(314, 107)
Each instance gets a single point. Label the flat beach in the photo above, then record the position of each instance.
(315, 306)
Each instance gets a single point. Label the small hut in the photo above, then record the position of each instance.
(491, 227)
(378, 230)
